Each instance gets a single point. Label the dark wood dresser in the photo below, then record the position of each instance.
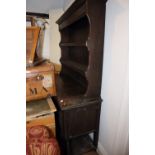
(78, 86)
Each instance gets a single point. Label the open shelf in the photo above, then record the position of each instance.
(74, 51)
(67, 86)
(76, 32)
(82, 43)
(80, 68)
(77, 54)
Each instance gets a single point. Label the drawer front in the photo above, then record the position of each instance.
(48, 121)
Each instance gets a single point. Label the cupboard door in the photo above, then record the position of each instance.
(81, 120)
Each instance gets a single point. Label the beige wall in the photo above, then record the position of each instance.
(46, 41)
(67, 3)
(54, 53)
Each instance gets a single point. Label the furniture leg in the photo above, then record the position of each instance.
(95, 141)
(68, 147)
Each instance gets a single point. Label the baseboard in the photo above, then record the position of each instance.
(101, 150)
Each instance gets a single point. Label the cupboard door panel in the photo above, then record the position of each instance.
(81, 120)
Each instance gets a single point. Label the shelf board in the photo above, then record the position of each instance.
(73, 44)
(76, 66)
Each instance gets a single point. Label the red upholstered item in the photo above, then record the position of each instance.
(39, 142)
